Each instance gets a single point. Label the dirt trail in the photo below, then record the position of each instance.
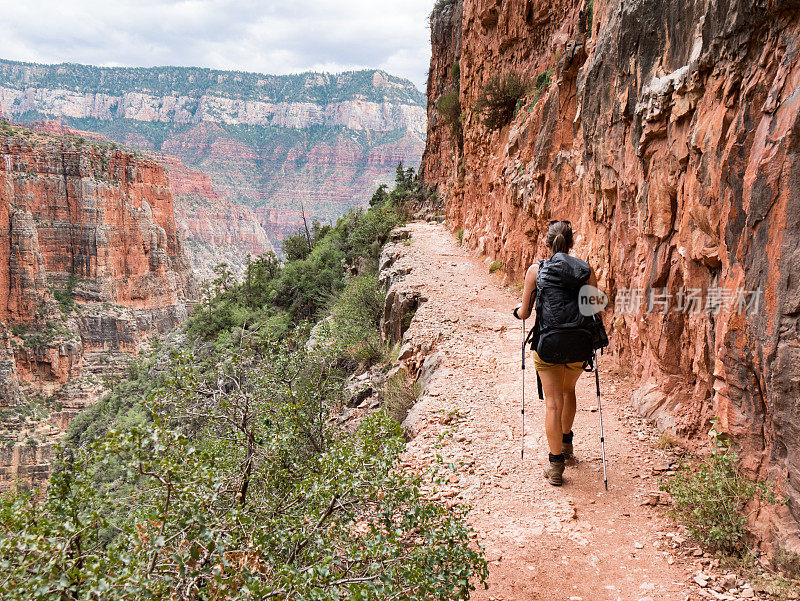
(576, 542)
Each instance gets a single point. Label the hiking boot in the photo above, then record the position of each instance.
(567, 451)
(554, 473)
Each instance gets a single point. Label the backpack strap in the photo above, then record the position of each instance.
(539, 386)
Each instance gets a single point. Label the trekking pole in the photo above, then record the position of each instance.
(600, 413)
(522, 449)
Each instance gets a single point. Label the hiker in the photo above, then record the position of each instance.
(552, 286)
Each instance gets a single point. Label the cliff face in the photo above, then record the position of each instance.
(669, 135)
(212, 228)
(91, 265)
(271, 143)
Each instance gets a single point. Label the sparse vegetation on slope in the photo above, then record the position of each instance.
(214, 471)
(498, 98)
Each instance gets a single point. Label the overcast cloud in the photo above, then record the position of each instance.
(246, 35)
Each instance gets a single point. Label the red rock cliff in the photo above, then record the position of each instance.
(670, 137)
(213, 228)
(91, 265)
(103, 215)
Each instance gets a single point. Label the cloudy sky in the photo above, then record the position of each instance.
(247, 35)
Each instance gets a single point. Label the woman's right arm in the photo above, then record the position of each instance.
(525, 308)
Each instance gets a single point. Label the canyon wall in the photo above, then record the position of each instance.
(668, 132)
(213, 229)
(91, 266)
(277, 145)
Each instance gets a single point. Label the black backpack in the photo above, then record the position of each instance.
(561, 333)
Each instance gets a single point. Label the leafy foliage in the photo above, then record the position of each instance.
(710, 498)
(310, 277)
(498, 99)
(236, 488)
(441, 4)
(354, 320)
(543, 80)
(455, 72)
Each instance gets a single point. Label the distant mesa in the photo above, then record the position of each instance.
(268, 144)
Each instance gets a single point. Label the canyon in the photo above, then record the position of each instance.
(92, 267)
(213, 229)
(668, 133)
(272, 147)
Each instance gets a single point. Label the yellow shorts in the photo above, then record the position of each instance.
(540, 365)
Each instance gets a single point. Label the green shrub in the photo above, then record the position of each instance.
(710, 495)
(449, 107)
(495, 266)
(543, 80)
(354, 320)
(455, 72)
(460, 236)
(497, 100)
(400, 395)
(296, 247)
(236, 482)
(380, 196)
(19, 329)
(64, 297)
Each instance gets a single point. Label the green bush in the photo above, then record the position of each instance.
(449, 107)
(64, 297)
(455, 72)
(497, 100)
(460, 236)
(354, 320)
(495, 266)
(543, 80)
(236, 482)
(710, 495)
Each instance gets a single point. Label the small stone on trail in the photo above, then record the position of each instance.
(493, 555)
(638, 545)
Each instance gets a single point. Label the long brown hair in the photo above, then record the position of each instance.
(559, 236)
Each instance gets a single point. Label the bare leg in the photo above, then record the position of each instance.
(552, 385)
(568, 412)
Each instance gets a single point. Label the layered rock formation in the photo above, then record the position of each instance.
(213, 229)
(669, 134)
(91, 266)
(277, 144)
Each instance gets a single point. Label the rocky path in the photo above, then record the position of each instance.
(576, 542)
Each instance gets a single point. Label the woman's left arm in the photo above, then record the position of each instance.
(525, 308)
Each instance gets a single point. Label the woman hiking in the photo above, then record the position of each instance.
(560, 334)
